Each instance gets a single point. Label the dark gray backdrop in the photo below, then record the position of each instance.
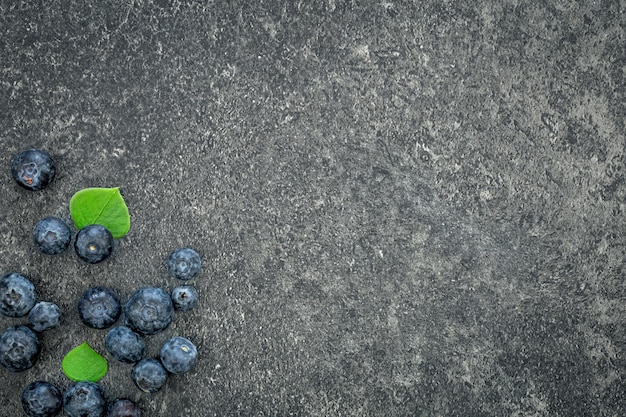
(404, 207)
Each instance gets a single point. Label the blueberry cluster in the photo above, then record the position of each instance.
(147, 311)
(20, 345)
(93, 243)
(84, 399)
(34, 169)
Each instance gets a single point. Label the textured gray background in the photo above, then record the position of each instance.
(404, 207)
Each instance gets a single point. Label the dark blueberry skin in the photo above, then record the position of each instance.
(124, 344)
(52, 236)
(33, 169)
(123, 408)
(179, 355)
(44, 316)
(184, 297)
(149, 375)
(184, 263)
(41, 399)
(17, 295)
(84, 399)
(19, 348)
(99, 307)
(94, 243)
(149, 310)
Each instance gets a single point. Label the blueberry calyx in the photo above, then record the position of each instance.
(44, 316)
(84, 399)
(41, 399)
(94, 243)
(149, 310)
(51, 235)
(179, 355)
(33, 169)
(184, 263)
(99, 307)
(184, 297)
(19, 348)
(17, 295)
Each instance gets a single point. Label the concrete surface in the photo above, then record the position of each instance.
(405, 208)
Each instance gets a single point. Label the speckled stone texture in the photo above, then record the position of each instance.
(404, 208)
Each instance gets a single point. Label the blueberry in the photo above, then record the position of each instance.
(184, 263)
(44, 316)
(84, 399)
(99, 307)
(94, 243)
(184, 297)
(19, 348)
(149, 375)
(41, 399)
(33, 169)
(149, 310)
(178, 355)
(17, 295)
(123, 408)
(124, 344)
(51, 235)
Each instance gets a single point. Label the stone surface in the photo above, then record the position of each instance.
(403, 208)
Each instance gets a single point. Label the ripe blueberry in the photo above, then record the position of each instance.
(99, 307)
(33, 169)
(51, 235)
(19, 348)
(124, 344)
(123, 408)
(184, 297)
(184, 263)
(41, 399)
(149, 310)
(17, 295)
(94, 243)
(149, 375)
(84, 399)
(178, 355)
(44, 316)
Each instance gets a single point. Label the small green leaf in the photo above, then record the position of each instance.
(84, 364)
(103, 206)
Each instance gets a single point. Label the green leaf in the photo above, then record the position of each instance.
(103, 206)
(84, 364)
